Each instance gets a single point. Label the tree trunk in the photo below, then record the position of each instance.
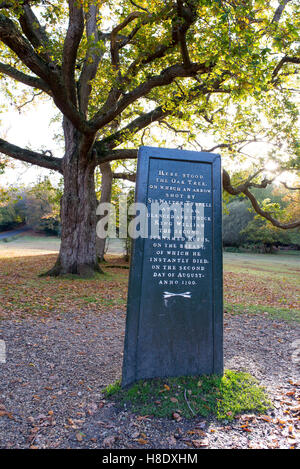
(78, 208)
(106, 186)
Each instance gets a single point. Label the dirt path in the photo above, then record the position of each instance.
(50, 387)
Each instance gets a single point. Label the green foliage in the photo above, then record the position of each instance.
(42, 206)
(225, 397)
(12, 210)
(239, 40)
(259, 231)
(284, 314)
(241, 226)
(38, 206)
(234, 222)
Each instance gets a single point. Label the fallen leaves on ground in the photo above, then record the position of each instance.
(25, 294)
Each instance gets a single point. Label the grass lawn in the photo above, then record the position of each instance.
(253, 283)
(263, 283)
(23, 292)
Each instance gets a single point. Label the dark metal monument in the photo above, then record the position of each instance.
(175, 309)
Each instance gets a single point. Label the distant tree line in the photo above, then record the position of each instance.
(243, 228)
(36, 206)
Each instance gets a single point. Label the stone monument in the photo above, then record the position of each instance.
(174, 321)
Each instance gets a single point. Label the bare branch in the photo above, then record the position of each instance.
(34, 95)
(230, 145)
(171, 127)
(28, 156)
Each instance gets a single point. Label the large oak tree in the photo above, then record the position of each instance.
(115, 68)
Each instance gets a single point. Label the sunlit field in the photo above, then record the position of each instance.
(263, 283)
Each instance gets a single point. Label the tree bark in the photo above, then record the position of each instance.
(78, 208)
(106, 187)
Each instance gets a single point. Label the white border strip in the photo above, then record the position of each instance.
(2, 352)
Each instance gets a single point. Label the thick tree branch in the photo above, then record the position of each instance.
(279, 10)
(166, 77)
(244, 189)
(290, 188)
(286, 59)
(28, 156)
(71, 44)
(28, 80)
(34, 32)
(126, 176)
(91, 61)
(156, 115)
(135, 126)
(187, 15)
(10, 35)
(114, 48)
(104, 155)
(50, 74)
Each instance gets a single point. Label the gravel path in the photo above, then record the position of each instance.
(50, 387)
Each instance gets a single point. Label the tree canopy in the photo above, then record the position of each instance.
(227, 69)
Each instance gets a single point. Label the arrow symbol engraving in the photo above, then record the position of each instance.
(184, 295)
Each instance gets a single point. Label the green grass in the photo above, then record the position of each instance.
(49, 243)
(286, 260)
(263, 283)
(277, 313)
(104, 301)
(224, 397)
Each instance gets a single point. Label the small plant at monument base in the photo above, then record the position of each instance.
(221, 396)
